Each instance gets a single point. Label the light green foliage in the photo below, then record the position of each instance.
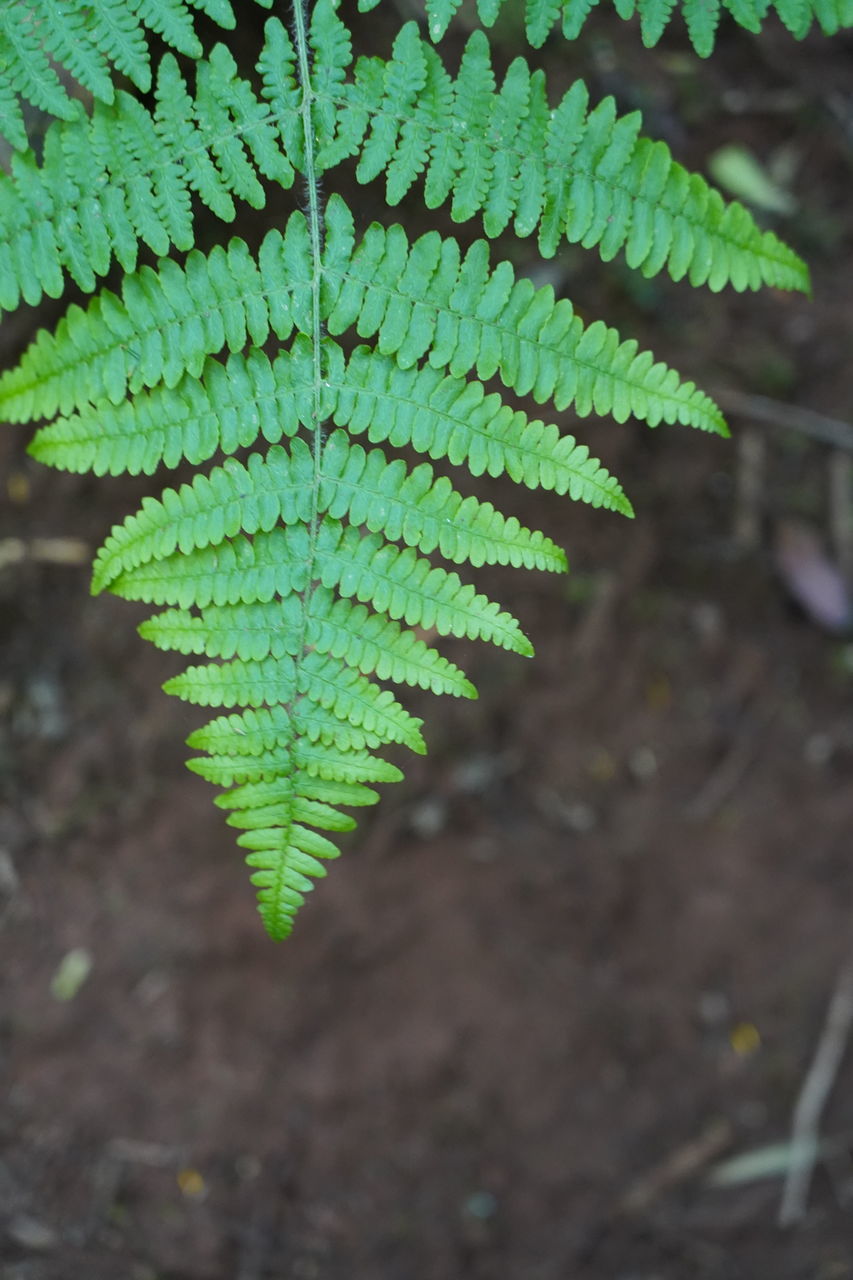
(701, 17)
(564, 172)
(127, 175)
(312, 572)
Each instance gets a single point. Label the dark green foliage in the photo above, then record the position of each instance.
(94, 41)
(700, 16)
(312, 573)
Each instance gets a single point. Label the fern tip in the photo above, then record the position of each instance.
(276, 931)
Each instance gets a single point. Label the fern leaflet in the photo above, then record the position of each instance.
(89, 40)
(128, 175)
(701, 16)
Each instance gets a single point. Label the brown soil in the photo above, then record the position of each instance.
(580, 955)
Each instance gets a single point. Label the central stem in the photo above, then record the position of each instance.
(315, 211)
(315, 230)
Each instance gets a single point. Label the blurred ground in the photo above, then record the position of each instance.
(596, 929)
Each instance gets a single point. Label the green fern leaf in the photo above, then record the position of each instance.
(654, 17)
(748, 13)
(120, 35)
(702, 18)
(454, 418)
(291, 757)
(259, 731)
(425, 512)
(12, 124)
(292, 557)
(26, 69)
(67, 32)
(378, 646)
(423, 299)
(220, 11)
(398, 583)
(573, 172)
(92, 41)
(429, 300)
(574, 16)
(263, 795)
(173, 22)
(304, 810)
(439, 14)
(410, 505)
(224, 410)
(317, 678)
(373, 645)
(234, 498)
(286, 855)
(309, 575)
(128, 175)
(540, 16)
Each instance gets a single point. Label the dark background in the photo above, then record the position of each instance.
(581, 954)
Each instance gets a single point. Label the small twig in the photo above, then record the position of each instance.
(841, 109)
(134, 1151)
(813, 1095)
(72, 551)
(792, 417)
(773, 1160)
(677, 1167)
(612, 589)
(749, 489)
(723, 781)
(841, 511)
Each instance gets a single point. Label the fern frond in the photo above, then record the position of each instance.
(381, 647)
(654, 17)
(573, 172)
(127, 176)
(92, 41)
(27, 71)
(286, 781)
(420, 300)
(799, 15)
(268, 489)
(305, 810)
(412, 506)
(454, 418)
(286, 778)
(372, 644)
(701, 18)
(300, 571)
(315, 678)
(231, 405)
(429, 300)
(257, 731)
(224, 410)
(286, 854)
(425, 512)
(293, 755)
(748, 13)
(258, 795)
(358, 566)
(574, 16)
(303, 576)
